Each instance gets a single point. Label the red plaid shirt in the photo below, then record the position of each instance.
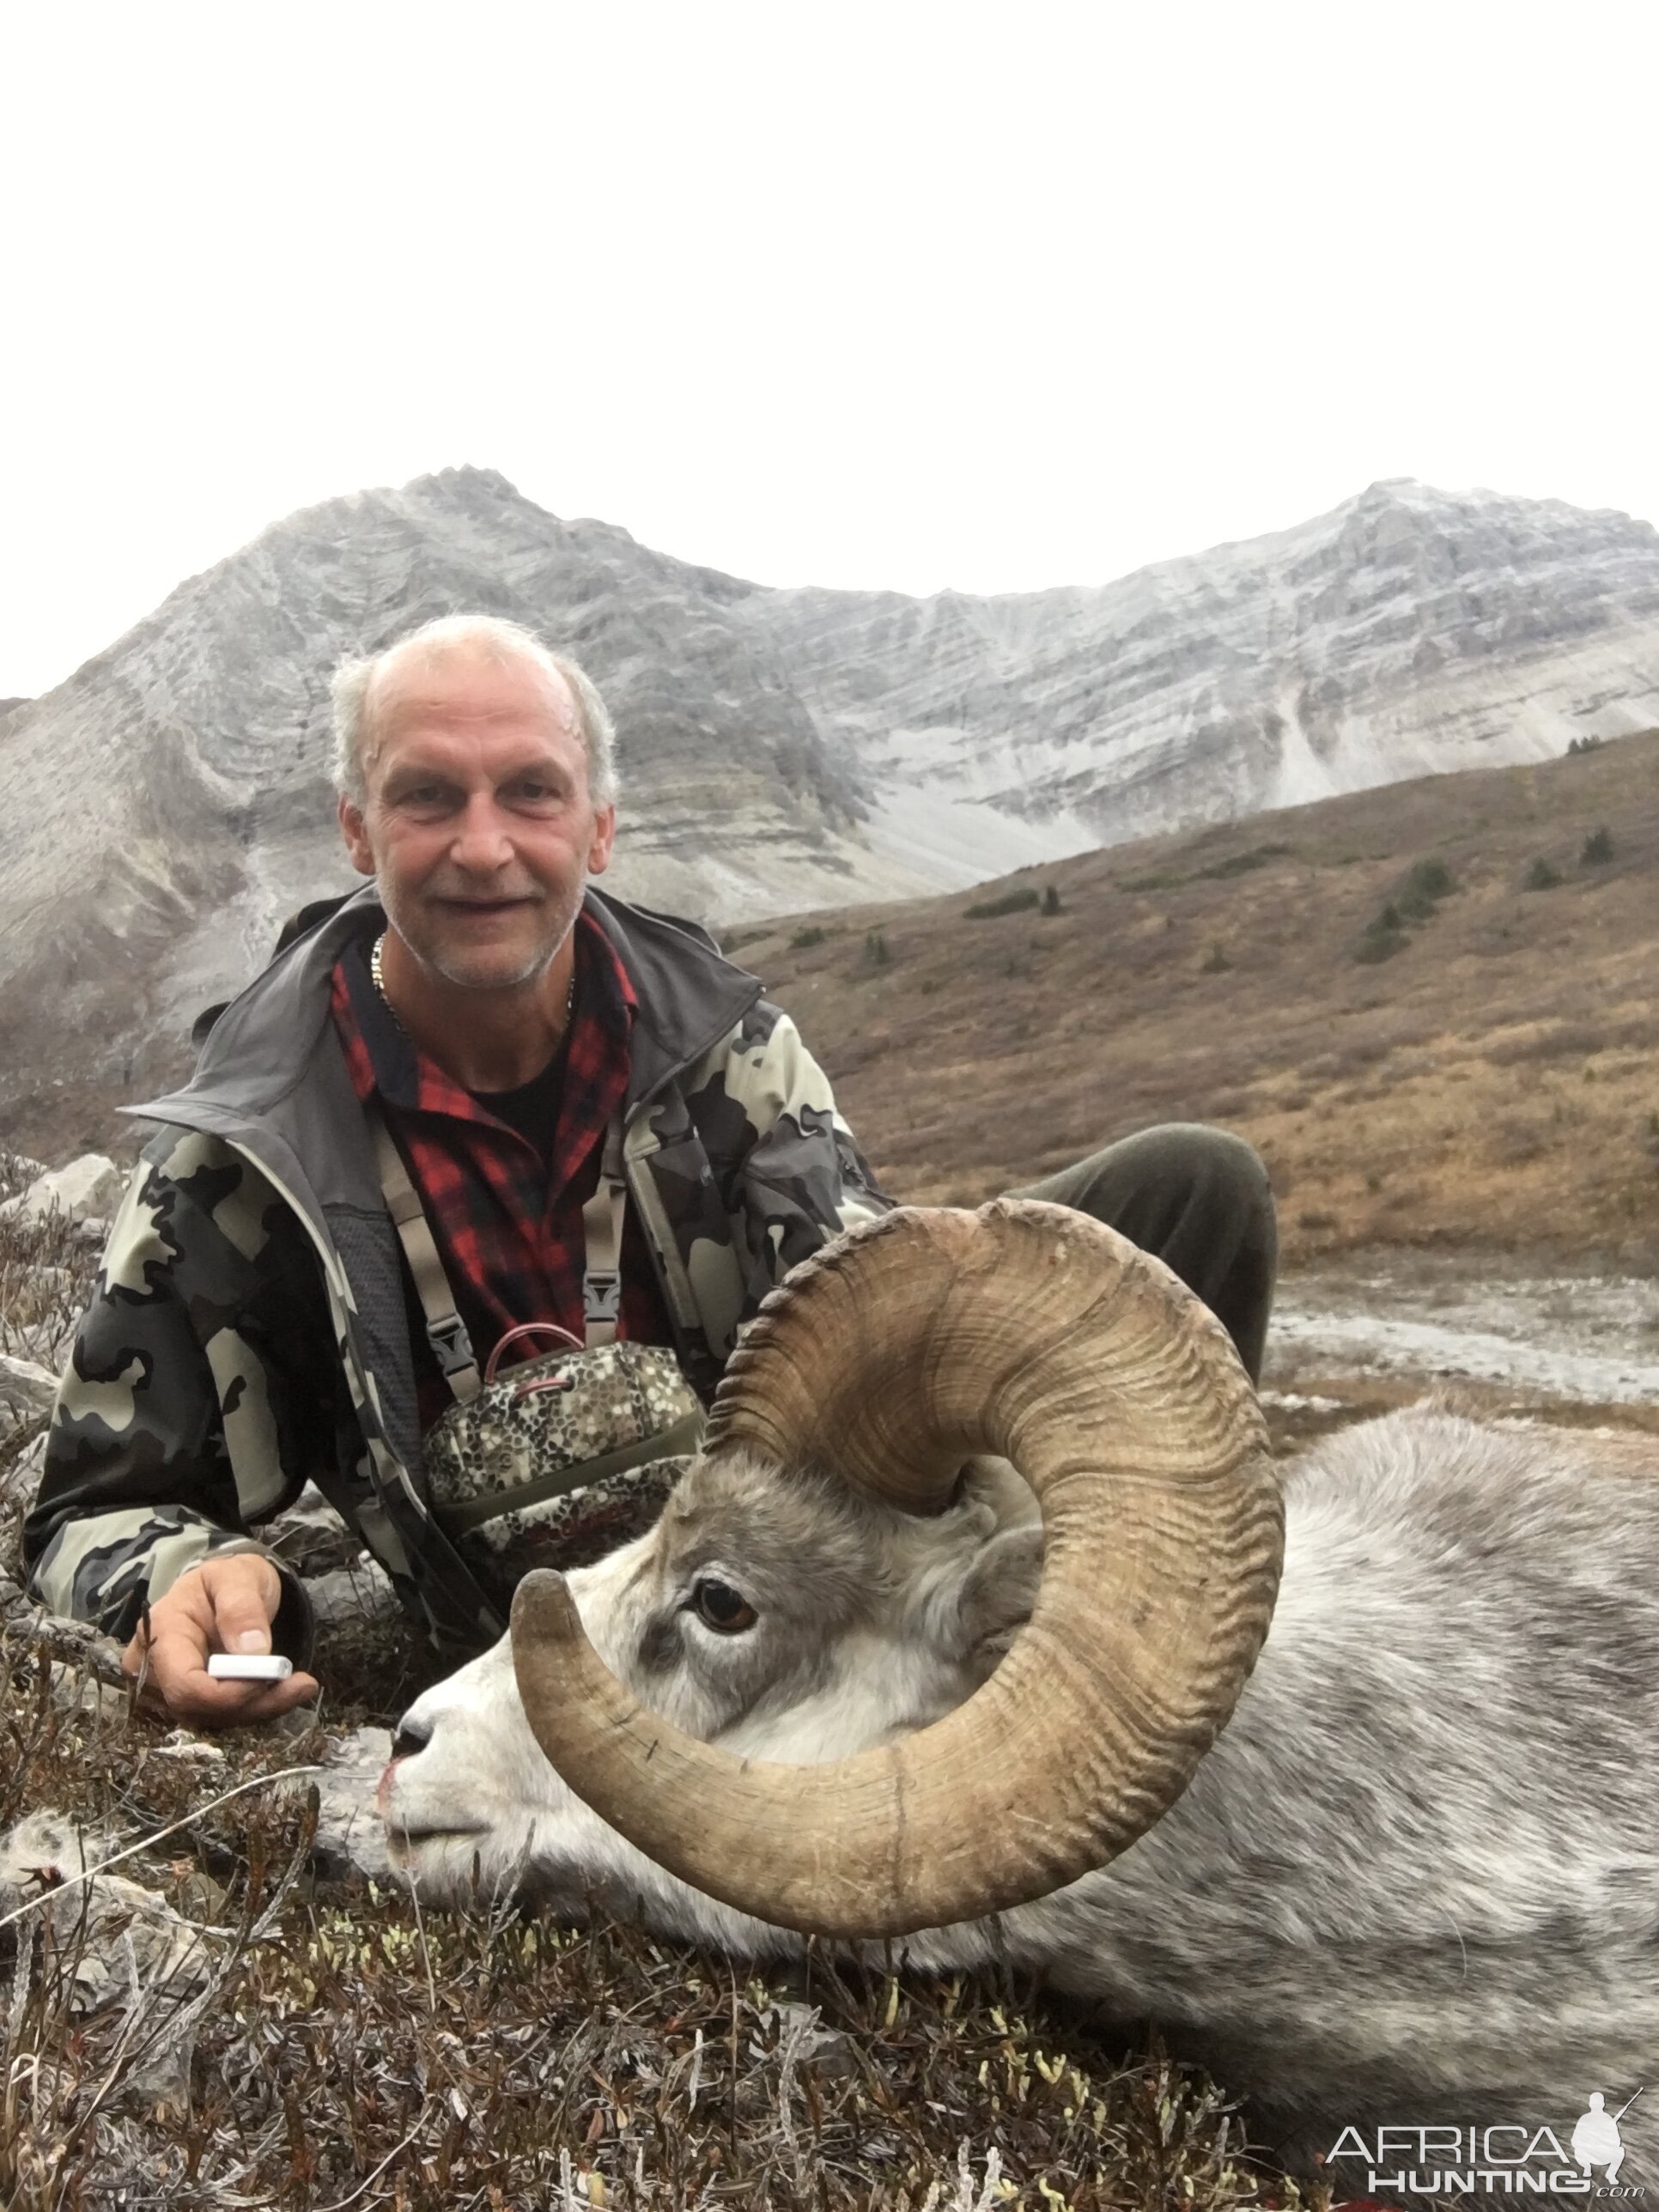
(507, 1221)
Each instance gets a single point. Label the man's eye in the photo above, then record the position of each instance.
(719, 1607)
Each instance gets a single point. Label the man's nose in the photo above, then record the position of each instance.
(481, 843)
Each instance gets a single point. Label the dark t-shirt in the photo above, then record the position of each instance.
(533, 1108)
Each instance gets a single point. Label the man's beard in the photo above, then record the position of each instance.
(475, 972)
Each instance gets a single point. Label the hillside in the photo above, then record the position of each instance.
(1487, 1073)
(169, 804)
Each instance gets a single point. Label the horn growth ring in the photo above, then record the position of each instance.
(1029, 1331)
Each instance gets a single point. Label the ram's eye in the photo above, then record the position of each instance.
(718, 1606)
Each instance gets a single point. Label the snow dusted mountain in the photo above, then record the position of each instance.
(170, 802)
(1410, 632)
(779, 749)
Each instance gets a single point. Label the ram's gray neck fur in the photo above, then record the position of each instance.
(1416, 1879)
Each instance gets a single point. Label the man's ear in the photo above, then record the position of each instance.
(605, 836)
(353, 830)
(998, 1593)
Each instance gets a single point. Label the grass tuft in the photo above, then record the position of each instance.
(238, 2029)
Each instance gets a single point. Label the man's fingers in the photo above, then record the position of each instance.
(223, 1605)
(179, 1674)
(254, 1701)
(280, 1697)
(245, 1592)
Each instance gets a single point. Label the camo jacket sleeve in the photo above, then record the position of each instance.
(795, 1176)
(183, 1416)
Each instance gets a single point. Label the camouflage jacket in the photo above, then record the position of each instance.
(249, 1327)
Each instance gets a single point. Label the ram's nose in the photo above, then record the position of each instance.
(413, 1735)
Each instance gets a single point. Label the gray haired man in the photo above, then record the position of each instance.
(255, 1322)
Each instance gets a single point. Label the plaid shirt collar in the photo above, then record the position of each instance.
(506, 1217)
(383, 1058)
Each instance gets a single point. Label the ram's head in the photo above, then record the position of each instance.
(850, 1682)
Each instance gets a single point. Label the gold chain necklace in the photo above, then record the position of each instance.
(378, 981)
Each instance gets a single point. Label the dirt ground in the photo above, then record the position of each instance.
(1503, 1339)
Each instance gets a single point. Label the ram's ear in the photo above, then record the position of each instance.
(998, 1594)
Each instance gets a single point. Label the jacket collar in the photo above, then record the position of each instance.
(264, 1043)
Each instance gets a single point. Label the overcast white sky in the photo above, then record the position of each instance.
(897, 295)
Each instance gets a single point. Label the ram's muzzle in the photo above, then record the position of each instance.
(1028, 1331)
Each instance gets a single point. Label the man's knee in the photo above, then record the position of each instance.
(1217, 1159)
(1176, 1164)
(1199, 1199)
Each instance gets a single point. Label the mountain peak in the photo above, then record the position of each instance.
(1390, 488)
(170, 804)
(466, 485)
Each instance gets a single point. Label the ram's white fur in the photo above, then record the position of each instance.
(1416, 1876)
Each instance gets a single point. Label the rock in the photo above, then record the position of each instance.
(87, 1188)
(112, 1924)
(83, 1652)
(353, 1595)
(349, 1835)
(26, 1387)
(73, 1692)
(20, 1482)
(310, 1536)
(811, 2043)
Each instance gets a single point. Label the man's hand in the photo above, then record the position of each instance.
(223, 1605)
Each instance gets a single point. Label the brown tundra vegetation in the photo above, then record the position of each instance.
(1427, 1049)
(1432, 1008)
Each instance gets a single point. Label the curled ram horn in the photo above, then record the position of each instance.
(1027, 1331)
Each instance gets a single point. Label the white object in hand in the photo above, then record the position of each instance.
(258, 1667)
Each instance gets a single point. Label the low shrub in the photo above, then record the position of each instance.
(1018, 902)
(1383, 936)
(1050, 900)
(1427, 882)
(1238, 864)
(1377, 944)
(1420, 890)
(1540, 876)
(1416, 898)
(1598, 847)
(804, 940)
(875, 949)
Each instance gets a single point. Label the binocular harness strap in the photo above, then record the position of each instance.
(602, 1226)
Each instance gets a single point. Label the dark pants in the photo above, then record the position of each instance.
(1199, 1200)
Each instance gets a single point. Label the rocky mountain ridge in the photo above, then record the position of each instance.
(780, 749)
(1409, 632)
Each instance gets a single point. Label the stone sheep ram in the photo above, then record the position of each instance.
(1397, 1856)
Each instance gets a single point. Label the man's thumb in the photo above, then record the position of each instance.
(243, 1605)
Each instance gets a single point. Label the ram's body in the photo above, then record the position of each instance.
(1415, 1878)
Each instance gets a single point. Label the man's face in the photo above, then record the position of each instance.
(478, 821)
